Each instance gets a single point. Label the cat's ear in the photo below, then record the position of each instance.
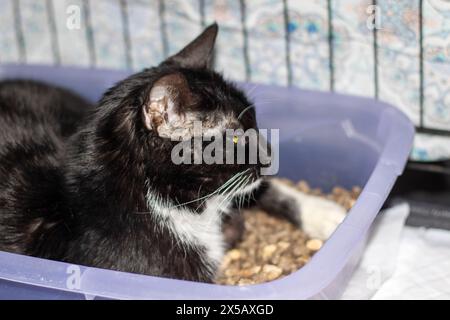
(169, 99)
(199, 53)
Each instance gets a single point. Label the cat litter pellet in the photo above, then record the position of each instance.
(273, 247)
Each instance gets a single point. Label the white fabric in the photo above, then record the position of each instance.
(402, 262)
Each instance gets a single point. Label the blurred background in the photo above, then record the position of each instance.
(397, 51)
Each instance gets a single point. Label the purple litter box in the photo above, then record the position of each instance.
(326, 138)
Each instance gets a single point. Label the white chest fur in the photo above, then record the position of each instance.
(191, 229)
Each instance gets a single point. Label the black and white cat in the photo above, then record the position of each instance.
(97, 187)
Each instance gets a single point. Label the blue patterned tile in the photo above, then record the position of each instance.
(398, 56)
(429, 147)
(183, 22)
(267, 52)
(73, 45)
(309, 44)
(230, 42)
(36, 32)
(437, 64)
(398, 51)
(145, 33)
(8, 41)
(107, 31)
(353, 47)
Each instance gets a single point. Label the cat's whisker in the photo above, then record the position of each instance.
(251, 195)
(245, 110)
(208, 196)
(231, 193)
(217, 191)
(191, 201)
(249, 92)
(238, 200)
(239, 176)
(242, 185)
(267, 102)
(199, 189)
(241, 196)
(228, 189)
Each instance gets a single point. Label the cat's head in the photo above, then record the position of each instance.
(157, 110)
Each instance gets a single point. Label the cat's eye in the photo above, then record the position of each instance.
(235, 139)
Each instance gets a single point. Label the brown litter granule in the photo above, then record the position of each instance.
(273, 247)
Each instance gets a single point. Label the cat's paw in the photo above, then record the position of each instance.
(317, 216)
(320, 217)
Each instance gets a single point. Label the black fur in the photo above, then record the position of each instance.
(35, 121)
(73, 183)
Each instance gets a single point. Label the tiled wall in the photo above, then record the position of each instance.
(320, 44)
